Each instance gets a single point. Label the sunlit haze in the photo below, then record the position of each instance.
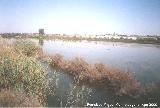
(81, 16)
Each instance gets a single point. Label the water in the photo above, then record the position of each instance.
(141, 59)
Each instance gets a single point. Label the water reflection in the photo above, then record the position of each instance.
(41, 42)
(142, 59)
(130, 56)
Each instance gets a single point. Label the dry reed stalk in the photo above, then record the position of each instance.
(10, 98)
(123, 83)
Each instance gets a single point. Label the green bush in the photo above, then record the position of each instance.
(26, 47)
(22, 73)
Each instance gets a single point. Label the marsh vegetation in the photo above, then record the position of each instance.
(21, 71)
(24, 74)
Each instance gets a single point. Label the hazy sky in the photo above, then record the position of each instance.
(81, 16)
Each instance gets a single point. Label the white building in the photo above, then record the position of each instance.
(132, 37)
(109, 36)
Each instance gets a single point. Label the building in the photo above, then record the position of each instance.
(41, 31)
(132, 37)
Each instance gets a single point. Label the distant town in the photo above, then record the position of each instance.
(101, 37)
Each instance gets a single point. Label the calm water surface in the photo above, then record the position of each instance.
(141, 59)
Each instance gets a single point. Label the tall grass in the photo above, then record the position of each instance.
(26, 47)
(122, 82)
(11, 98)
(78, 95)
(21, 72)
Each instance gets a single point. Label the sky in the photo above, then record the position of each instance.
(140, 17)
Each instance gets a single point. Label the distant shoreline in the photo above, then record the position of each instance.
(157, 42)
(67, 38)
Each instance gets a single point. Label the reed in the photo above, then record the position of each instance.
(122, 82)
(26, 47)
(11, 98)
(78, 95)
(20, 72)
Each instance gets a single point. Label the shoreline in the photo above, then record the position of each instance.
(155, 42)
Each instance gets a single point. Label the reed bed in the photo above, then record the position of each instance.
(26, 47)
(11, 98)
(78, 95)
(23, 78)
(21, 71)
(122, 82)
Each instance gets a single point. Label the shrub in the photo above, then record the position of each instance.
(11, 98)
(57, 60)
(22, 73)
(26, 47)
(123, 83)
